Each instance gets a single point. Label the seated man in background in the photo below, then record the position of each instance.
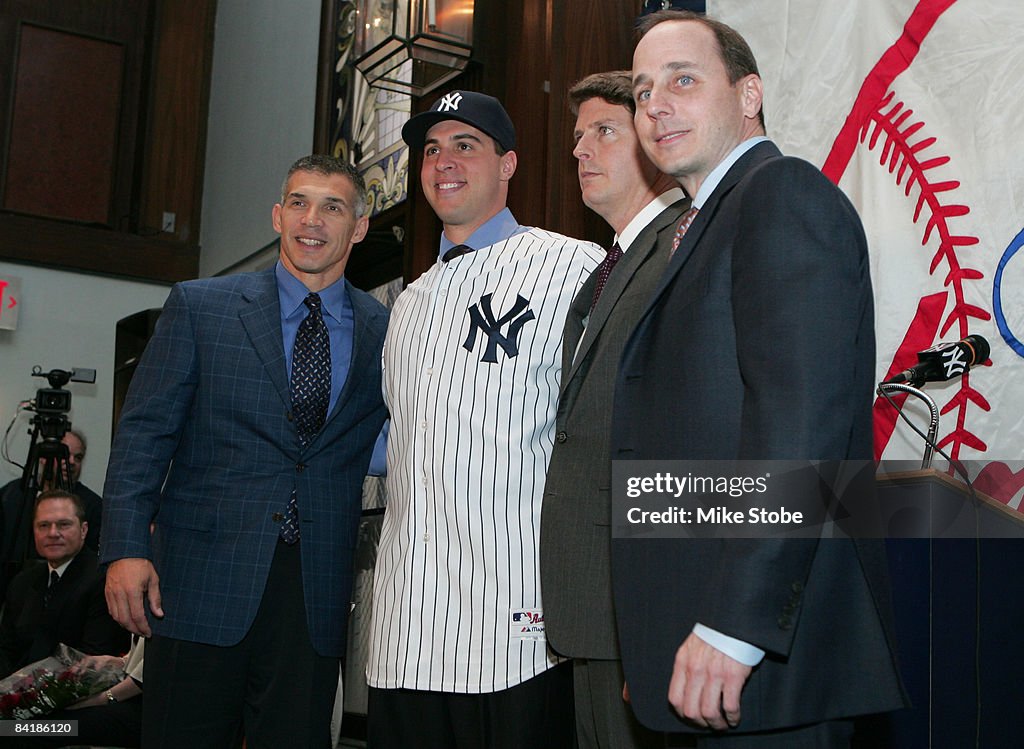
(12, 547)
(58, 599)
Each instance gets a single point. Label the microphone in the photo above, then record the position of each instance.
(944, 361)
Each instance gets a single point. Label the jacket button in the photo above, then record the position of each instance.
(300, 467)
(785, 622)
(797, 587)
(277, 517)
(561, 436)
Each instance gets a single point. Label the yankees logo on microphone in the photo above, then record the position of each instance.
(944, 361)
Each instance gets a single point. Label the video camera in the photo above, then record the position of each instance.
(51, 405)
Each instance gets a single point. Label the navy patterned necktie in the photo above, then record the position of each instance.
(311, 372)
(310, 391)
(604, 270)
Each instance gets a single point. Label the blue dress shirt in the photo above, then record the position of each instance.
(337, 312)
(497, 228)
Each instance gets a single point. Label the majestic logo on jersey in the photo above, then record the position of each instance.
(449, 102)
(481, 318)
(526, 624)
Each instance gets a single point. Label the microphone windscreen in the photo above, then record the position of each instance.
(980, 347)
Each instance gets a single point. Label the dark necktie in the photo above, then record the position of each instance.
(604, 270)
(456, 251)
(681, 229)
(311, 391)
(54, 579)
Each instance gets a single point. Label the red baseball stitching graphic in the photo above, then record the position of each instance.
(877, 116)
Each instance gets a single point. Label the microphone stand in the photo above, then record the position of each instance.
(933, 424)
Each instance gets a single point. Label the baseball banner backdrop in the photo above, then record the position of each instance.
(914, 108)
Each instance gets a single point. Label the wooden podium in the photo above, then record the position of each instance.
(958, 599)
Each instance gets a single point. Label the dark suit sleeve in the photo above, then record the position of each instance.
(93, 515)
(148, 433)
(803, 320)
(101, 635)
(8, 636)
(801, 298)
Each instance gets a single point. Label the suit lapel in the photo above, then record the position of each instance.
(759, 153)
(574, 329)
(58, 597)
(639, 251)
(260, 314)
(362, 351)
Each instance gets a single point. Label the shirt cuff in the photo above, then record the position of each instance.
(738, 650)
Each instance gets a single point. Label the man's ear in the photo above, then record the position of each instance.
(753, 95)
(509, 162)
(359, 231)
(275, 217)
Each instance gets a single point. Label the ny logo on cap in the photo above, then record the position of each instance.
(449, 102)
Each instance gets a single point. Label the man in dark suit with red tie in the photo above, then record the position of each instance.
(244, 440)
(757, 344)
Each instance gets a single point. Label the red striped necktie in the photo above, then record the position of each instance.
(681, 229)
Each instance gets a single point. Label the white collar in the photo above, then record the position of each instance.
(60, 570)
(711, 181)
(646, 215)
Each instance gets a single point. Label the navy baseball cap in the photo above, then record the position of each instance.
(479, 110)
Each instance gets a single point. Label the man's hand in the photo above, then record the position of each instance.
(706, 685)
(97, 663)
(128, 580)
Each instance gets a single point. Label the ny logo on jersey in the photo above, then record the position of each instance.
(481, 318)
(449, 102)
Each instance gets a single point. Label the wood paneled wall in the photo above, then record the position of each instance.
(167, 49)
(587, 38)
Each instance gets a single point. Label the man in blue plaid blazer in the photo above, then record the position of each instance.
(247, 628)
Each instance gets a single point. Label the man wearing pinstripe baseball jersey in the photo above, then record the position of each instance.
(458, 653)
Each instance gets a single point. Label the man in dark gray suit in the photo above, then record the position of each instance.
(244, 441)
(757, 344)
(643, 206)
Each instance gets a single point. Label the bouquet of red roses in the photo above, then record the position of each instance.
(53, 683)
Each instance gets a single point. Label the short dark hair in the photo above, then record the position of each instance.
(326, 165)
(733, 49)
(61, 494)
(614, 86)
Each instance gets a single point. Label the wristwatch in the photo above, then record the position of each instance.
(111, 699)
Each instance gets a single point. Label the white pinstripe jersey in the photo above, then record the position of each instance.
(471, 372)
